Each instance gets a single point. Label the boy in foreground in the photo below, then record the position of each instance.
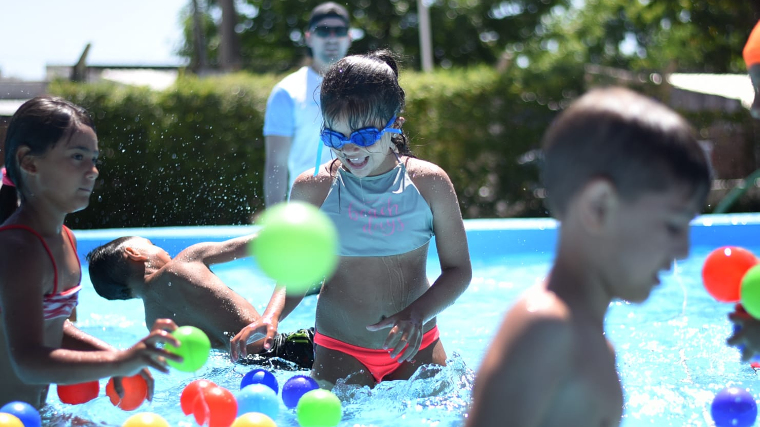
(185, 290)
(624, 175)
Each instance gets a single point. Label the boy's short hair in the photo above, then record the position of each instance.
(109, 270)
(636, 143)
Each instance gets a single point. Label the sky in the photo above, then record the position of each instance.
(35, 33)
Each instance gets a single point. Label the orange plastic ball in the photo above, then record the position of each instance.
(192, 391)
(723, 271)
(76, 394)
(215, 407)
(135, 392)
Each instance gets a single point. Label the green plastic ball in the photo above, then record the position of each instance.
(297, 245)
(750, 291)
(319, 408)
(194, 348)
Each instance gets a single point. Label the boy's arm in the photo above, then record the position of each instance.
(521, 372)
(211, 253)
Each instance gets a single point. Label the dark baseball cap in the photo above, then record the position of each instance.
(329, 10)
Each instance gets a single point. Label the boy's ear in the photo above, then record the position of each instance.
(26, 161)
(134, 254)
(598, 200)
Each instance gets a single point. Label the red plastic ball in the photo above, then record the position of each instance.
(723, 271)
(215, 407)
(135, 392)
(76, 394)
(192, 391)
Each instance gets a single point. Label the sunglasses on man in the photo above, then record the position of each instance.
(323, 31)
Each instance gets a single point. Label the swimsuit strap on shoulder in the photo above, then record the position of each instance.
(44, 244)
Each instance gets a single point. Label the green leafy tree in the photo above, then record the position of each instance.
(464, 32)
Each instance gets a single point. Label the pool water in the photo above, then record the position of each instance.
(672, 356)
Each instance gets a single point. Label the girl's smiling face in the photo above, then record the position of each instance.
(375, 159)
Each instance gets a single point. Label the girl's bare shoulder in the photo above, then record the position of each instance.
(313, 188)
(427, 176)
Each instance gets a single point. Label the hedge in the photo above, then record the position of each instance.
(194, 154)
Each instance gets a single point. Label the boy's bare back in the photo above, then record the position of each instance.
(188, 292)
(549, 365)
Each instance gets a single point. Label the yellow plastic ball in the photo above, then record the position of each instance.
(145, 419)
(8, 420)
(253, 419)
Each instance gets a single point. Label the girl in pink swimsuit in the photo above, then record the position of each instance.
(376, 316)
(50, 155)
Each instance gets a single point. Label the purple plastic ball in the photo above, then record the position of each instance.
(734, 407)
(260, 376)
(295, 387)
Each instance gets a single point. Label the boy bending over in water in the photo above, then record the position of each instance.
(185, 290)
(625, 176)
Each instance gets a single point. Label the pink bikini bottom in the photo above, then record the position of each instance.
(378, 361)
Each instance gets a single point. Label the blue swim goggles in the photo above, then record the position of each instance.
(363, 137)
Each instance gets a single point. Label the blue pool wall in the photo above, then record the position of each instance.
(487, 238)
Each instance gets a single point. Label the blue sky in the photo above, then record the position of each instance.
(34, 33)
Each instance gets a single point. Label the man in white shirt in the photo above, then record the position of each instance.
(293, 117)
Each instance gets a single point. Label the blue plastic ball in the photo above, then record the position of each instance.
(258, 398)
(295, 387)
(25, 412)
(733, 407)
(260, 376)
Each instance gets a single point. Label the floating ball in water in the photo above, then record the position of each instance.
(8, 420)
(135, 392)
(750, 291)
(191, 392)
(194, 348)
(253, 419)
(76, 394)
(215, 407)
(297, 245)
(319, 408)
(723, 271)
(260, 376)
(145, 419)
(733, 407)
(258, 398)
(295, 387)
(26, 413)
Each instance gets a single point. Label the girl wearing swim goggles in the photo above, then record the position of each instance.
(353, 151)
(375, 317)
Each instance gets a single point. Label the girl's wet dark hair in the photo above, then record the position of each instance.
(39, 124)
(364, 88)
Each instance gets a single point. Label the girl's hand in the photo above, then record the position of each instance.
(145, 373)
(150, 352)
(747, 333)
(405, 336)
(264, 327)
